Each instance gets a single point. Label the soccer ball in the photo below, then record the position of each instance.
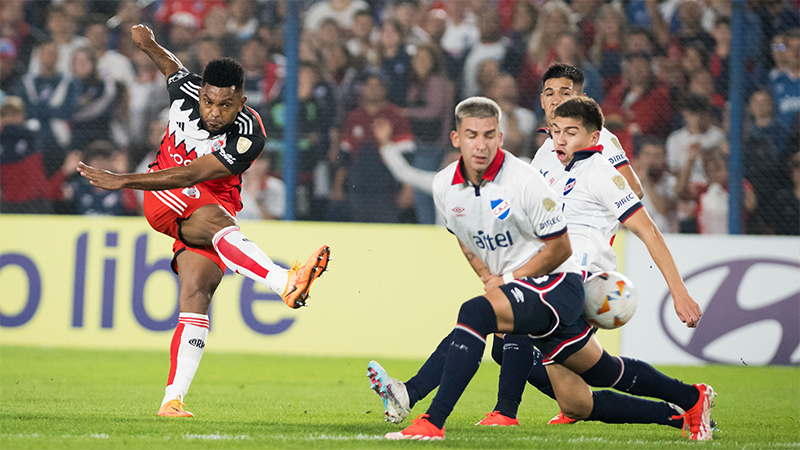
(610, 300)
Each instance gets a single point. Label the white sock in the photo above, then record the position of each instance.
(244, 257)
(185, 352)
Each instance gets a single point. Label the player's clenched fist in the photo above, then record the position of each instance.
(142, 35)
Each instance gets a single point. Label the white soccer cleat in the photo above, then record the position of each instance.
(393, 393)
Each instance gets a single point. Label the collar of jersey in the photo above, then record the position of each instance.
(545, 130)
(583, 154)
(491, 171)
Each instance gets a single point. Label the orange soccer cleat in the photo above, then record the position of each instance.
(421, 429)
(495, 419)
(301, 277)
(561, 419)
(174, 408)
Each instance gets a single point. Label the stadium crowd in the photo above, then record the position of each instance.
(380, 78)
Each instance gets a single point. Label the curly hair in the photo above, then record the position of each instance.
(224, 72)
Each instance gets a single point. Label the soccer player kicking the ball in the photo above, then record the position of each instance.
(509, 222)
(192, 195)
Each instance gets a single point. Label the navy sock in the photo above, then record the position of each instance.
(497, 350)
(517, 361)
(538, 376)
(640, 378)
(612, 407)
(429, 375)
(476, 320)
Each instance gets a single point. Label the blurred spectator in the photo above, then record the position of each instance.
(516, 123)
(361, 44)
(25, 187)
(642, 40)
(314, 121)
(701, 83)
(784, 204)
(77, 11)
(263, 194)
(639, 106)
(762, 124)
(183, 31)
(108, 61)
(197, 9)
(435, 24)
(460, 34)
(62, 32)
(22, 36)
(216, 27)
(242, 22)
(371, 193)
(692, 139)
(777, 16)
(93, 201)
(340, 71)
(658, 184)
(488, 71)
(119, 26)
(712, 203)
(554, 18)
(407, 12)
(10, 69)
(395, 61)
(91, 122)
(585, 14)
(329, 34)
(720, 59)
(429, 106)
(492, 45)
(609, 44)
(694, 58)
(523, 24)
(50, 99)
(785, 79)
(690, 32)
(568, 51)
(343, 11)
(254, 62)
(146, 98)
(204, 51)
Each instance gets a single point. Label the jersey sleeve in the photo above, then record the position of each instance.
(183, 84)
(612, 191)
(613, 151)
(545, 211)
(240, 151)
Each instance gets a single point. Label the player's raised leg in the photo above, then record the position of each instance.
(213, 225)
(199, 278)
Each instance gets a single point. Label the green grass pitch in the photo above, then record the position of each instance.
(87, 399)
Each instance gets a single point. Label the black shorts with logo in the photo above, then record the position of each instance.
(550, 311)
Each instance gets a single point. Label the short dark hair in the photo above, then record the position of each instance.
(695, 103)
(585, 109)
(98, 149)
(224, 72)
(564, 71)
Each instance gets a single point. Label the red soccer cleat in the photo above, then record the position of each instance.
(495, 419)
(699, 417)
(561, 419)
(421, 429)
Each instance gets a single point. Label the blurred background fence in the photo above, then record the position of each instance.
(703, 95)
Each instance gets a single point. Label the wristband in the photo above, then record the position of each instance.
(508, 277)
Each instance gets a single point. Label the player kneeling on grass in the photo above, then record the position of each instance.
(192, 195)
(510, 225)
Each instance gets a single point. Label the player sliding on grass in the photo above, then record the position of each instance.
(510, 226)
(192, 195)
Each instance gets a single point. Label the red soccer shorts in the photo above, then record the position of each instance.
(165, 210)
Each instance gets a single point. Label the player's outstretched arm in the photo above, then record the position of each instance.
(633, 181)
(643, 227)
(144, 38)
(204, 168)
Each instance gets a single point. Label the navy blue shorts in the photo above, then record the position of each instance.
(550, 311)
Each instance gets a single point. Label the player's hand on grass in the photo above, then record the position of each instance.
(688, 310)
(101, 178)
(142, 35)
